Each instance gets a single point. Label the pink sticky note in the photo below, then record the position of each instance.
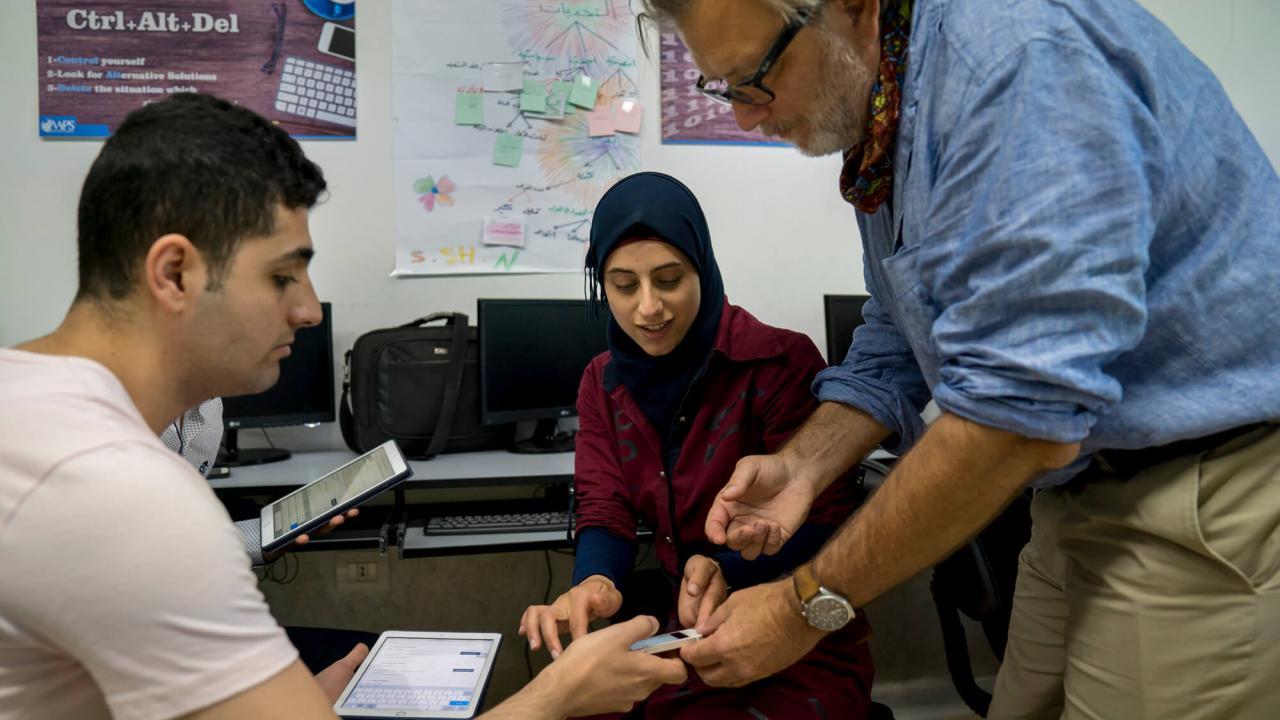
(503, 232)
(626, 118)
(600, 122)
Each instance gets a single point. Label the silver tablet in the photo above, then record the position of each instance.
(421, 675)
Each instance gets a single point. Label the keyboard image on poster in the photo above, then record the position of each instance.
(317, 91)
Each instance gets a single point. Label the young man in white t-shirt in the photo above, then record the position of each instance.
(125, 590)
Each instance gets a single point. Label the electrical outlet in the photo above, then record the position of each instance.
(361, 572)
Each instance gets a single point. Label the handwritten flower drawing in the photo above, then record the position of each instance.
(431, 192)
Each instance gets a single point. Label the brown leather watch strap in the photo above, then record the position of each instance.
(805, 583)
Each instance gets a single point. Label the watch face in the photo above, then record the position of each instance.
(828, 612)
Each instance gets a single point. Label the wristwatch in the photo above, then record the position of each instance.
(823, 609)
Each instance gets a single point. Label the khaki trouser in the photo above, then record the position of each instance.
(1155, 597)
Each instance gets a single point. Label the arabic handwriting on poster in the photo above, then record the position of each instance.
(541, 168)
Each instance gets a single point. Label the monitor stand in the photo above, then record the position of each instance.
(545, 440)
(232, 455)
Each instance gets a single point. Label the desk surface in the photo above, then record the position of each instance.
(497, 466)
(493, 465)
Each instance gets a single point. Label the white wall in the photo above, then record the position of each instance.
(783, 236)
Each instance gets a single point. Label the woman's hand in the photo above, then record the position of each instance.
(595, 597)
(702, 590)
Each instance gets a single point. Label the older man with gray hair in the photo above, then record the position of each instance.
(1072, 245)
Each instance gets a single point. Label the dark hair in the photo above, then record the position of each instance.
(194, 165)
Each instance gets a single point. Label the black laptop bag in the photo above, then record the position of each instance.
(419, 386)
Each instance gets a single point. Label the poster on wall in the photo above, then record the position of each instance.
(510, 119)
(688, 116)
(291, 61)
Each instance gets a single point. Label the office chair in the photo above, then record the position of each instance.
(978, 580)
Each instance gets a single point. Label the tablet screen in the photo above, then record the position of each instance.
(422, 674)
(343, 484)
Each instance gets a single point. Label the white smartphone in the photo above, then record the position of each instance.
(338, 41)
(421, 675)
(659, 644)
(312, 505)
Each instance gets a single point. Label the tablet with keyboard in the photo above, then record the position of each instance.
(421, 675)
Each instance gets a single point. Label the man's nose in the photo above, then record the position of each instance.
(307, 313)
(749, 116)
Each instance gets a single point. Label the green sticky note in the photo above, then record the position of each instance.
(468, 109)
(555, 108)
(508, 150)
(534, 97)
(561, 89)
(583, 93)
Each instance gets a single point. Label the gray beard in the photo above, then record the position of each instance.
(838, 118)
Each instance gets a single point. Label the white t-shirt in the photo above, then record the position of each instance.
(124, 589)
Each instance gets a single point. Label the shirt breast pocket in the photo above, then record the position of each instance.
(912, 308)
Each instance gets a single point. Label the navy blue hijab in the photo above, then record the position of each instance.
(650, 204)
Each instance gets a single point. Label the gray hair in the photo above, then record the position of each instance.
(659, 10)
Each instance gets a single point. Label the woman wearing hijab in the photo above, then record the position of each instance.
(690, 384)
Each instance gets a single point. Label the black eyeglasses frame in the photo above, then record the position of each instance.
(733, 93)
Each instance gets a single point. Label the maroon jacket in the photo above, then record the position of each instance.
(753, 396)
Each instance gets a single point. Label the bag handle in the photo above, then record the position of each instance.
(346, 420)
(452, 390)
(453, 379)
(448, 316)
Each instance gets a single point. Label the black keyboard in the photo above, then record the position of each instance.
(554, 520)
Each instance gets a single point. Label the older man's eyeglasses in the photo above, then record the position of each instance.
(753, 91)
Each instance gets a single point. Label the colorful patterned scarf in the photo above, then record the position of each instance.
(866, 180)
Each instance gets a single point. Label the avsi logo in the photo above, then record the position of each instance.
(58, 125)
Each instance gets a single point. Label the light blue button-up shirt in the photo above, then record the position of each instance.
(1084, 239)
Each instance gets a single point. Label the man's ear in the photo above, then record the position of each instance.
(859, 8)
(857, 17)
(174, 272)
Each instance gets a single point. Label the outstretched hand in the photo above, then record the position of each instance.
(594, 597)
(761, 506)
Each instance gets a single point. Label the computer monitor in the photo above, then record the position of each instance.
(532, 355)
(302, 396)
(844, 313)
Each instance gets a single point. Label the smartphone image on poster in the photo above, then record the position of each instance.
(338, 41)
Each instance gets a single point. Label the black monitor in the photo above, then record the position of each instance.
(844, 313)
(532, 355)
(302, 396)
